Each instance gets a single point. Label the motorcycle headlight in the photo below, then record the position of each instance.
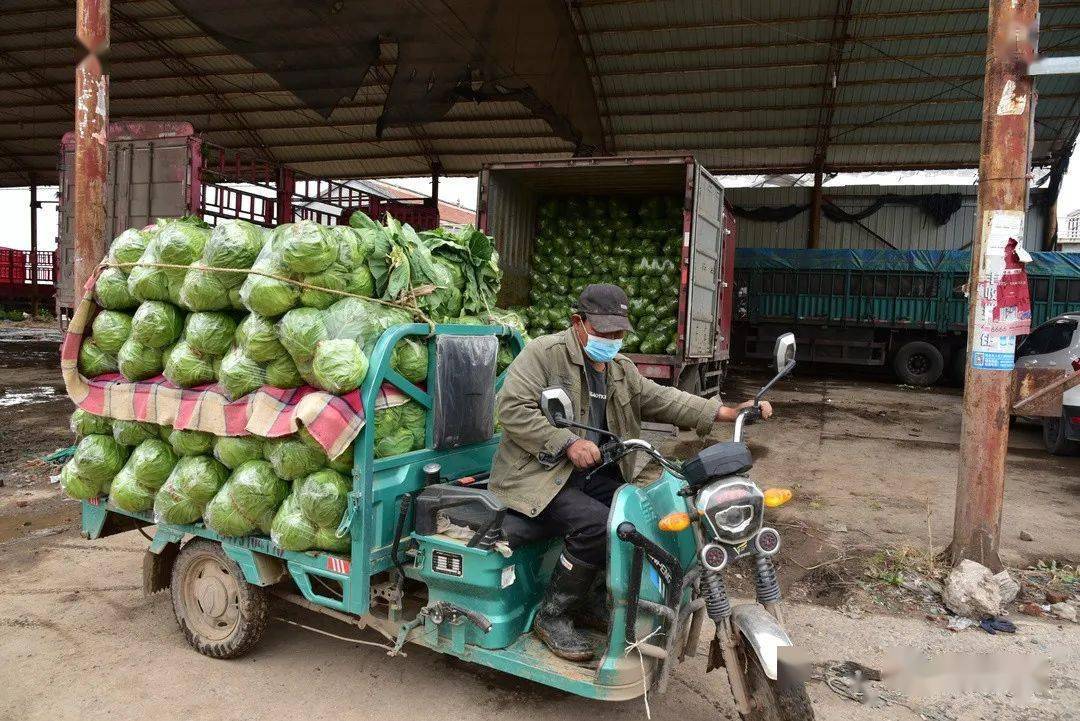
(732, 508)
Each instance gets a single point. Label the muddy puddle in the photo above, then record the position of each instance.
(28, 396)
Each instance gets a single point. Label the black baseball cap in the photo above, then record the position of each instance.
(606, 306)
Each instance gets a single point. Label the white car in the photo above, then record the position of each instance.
(1056, 345)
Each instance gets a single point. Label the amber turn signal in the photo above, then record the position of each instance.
(777, 497)
(674, 522)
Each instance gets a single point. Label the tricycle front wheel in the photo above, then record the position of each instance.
(780, 700)
(221, 614)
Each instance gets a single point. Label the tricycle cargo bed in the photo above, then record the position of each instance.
(510, 208)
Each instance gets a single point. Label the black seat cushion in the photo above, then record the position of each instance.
(517, 529)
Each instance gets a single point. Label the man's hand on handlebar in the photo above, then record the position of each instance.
(583, 453)
(729, 413)
(765, 407)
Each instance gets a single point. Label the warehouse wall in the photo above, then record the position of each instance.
(905, 227)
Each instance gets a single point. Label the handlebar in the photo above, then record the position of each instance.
(750, 413)
(618, 449)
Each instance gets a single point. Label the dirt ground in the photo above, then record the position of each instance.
(871, 463)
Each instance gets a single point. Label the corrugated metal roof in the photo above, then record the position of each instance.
(740, 85)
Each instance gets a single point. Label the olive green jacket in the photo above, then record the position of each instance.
(530, 466)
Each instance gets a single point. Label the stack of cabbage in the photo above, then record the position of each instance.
(632, 241)
(264, 315)
(237, 486)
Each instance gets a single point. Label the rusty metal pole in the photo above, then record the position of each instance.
(1004, 168)
(33, 248)
(91, 141)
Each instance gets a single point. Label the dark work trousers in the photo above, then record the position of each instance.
(579, 513)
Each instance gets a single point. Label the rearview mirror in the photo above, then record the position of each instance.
(784, 351)
(556, 407)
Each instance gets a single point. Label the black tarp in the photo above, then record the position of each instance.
(448, 51)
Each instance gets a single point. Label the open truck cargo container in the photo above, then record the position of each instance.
(165, 170)
(508, 209)
(905, 309)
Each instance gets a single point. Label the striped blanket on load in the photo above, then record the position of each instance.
(334, 421)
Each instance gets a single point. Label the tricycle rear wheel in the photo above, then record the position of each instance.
(221, 614)
(780, 700)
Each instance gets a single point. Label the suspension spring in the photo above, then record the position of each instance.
(717, 603)
(768, 587)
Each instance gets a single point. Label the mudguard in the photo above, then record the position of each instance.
(762, 632)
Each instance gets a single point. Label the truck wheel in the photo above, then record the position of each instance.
(958, 365)
(918, 363)
(221, 614)
(1055, 440)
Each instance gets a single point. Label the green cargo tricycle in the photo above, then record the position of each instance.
(435, 558)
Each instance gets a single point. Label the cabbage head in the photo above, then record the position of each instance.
(269, 297)
(190, 486)
(98, 458)
(410, 359)
(111, 290)
(339, 366)
(300, 331)
(138, 362)
(128, 494)
(413, 418)
(247, 501)
(233, 244)
(394, 443)
(210, 334)
(291, 458)
(362, 320)
(146, 283)
(181, 242)
(322, 496)
(335, 277)
(157, 324)
(307, 247)
(132, 433)
(191, 443)
(290, 529)
(360, 282)
(186, 368)
(257, 336)
(236, 450)
(282, 373)
(83, 423)
(128, 247)
(326, 540)
(151, 463)
(76, 486)
(239, 375)
(203, 290)
(110, 329)
(93, 361)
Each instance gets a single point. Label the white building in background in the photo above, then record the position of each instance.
(1069, 235)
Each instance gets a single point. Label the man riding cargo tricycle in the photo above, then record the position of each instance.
(440, 560)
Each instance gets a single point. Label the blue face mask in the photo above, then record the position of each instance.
(602, 350)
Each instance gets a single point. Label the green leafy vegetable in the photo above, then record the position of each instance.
(138, 362)
(236, 450)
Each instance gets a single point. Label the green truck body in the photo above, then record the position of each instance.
(864, 306)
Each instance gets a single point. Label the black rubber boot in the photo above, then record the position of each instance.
(594, 613)
(569, 585)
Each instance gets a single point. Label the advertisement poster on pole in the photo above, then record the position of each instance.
(1003, 306)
